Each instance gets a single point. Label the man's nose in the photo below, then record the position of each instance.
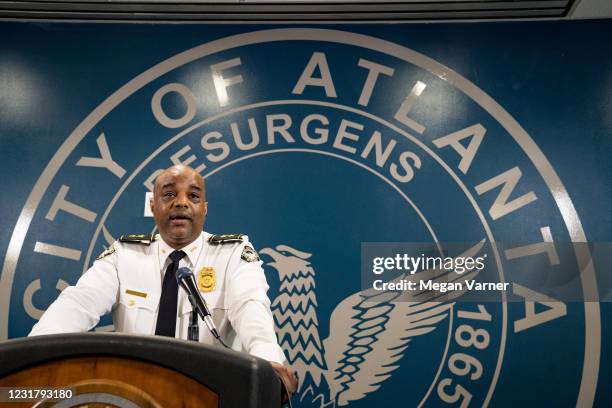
(181, 200)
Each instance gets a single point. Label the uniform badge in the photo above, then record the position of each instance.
(207, 279)
(106, 252)
(249, 254)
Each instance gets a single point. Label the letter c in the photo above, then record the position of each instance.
(32, 288)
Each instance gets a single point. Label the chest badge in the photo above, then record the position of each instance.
(207, 279)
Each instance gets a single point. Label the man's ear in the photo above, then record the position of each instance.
(205, 208)
(152, 205)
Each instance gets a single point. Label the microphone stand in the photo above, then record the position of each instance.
(193, 330)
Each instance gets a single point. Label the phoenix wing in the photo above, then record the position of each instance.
(371, 330)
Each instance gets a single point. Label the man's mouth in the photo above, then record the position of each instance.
(179, 219)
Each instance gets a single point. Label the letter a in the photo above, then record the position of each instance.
(554, 308)
(306, 79)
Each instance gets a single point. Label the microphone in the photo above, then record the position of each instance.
(185, 279)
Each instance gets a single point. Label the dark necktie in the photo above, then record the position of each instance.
(166, 318)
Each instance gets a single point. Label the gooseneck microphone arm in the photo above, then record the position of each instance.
(185, 279)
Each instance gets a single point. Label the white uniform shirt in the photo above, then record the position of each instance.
(128, 282)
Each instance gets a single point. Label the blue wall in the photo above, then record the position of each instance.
(539, 93)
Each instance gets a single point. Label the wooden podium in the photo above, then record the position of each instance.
(118, 370)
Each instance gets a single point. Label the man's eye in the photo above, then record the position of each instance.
(194, 196)
(168, 194)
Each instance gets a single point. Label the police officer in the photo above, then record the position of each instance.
(134, 279)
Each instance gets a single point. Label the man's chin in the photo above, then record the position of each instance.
(180, 236)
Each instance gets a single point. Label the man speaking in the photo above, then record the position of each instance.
(136, 279)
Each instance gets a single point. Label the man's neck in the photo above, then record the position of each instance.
(182, 245)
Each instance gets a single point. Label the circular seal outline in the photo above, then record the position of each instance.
(568, 212)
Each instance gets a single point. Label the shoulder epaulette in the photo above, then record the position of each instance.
(144, 239)
(225, 238)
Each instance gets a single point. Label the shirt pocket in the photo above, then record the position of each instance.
(214, 300)
(216, 305)
(138, 309)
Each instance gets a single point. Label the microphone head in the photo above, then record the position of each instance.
(183, 273)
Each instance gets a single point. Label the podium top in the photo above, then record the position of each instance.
(240, 380)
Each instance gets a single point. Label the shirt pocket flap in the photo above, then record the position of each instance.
(135, 298)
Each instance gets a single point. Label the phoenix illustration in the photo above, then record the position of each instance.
(369, 331)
